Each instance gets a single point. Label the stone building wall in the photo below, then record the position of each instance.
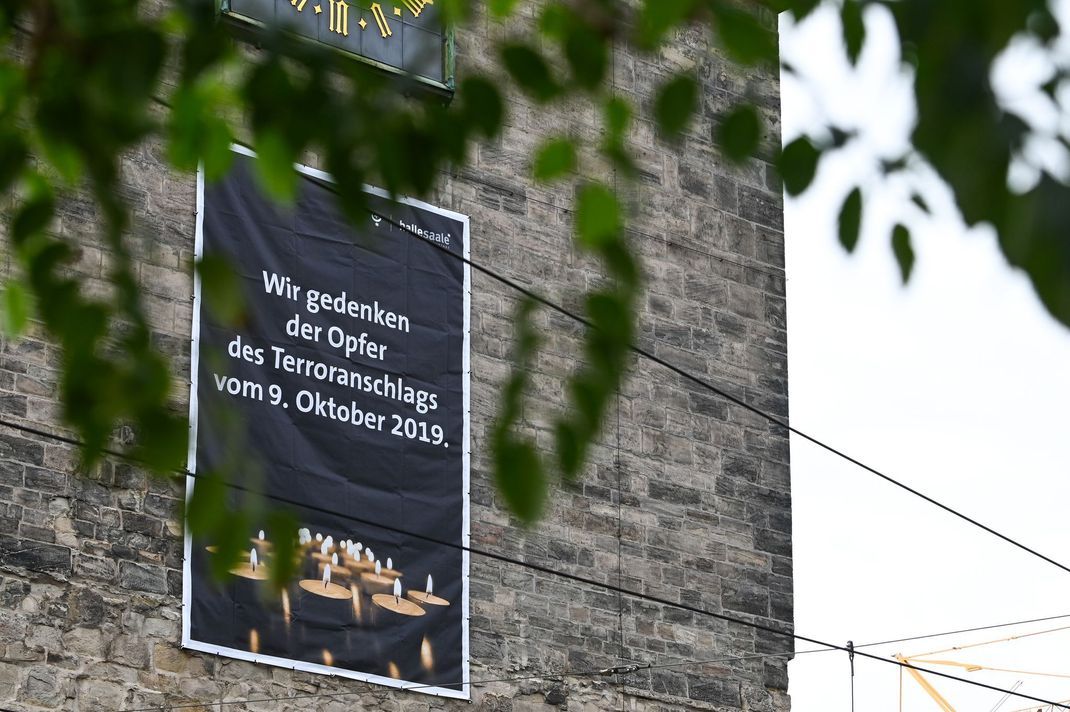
(686, 498)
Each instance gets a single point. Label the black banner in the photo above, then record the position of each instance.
(345, 390)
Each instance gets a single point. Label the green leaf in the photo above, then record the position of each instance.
(798, 165)
(521, 481)
(854, 28)
(207, 506)
(658, 17)
(500, 9)
(587, 54)
(16, 304)
(281, 527)
(675, 103)
(483, 105)
(221, 290)
(530, 71)
(739, 133)
(743, 35)
(851, 220)
(617, 114)
(555, 158)
(275, 166)
(598, 218)
(904, 252)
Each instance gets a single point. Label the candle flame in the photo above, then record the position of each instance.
(427, 658)
(430, 585)
(371, 556)
(378, 568)
(286, 607)
(326, 575)
(252, 557)
(261, 535)
(334, 559)
(328, 659)
(389, 563)
(254, 641)
(324, 548)
(397, 588)
(393, 670)
(319, 537)
(359, 546)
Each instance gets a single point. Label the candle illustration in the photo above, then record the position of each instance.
(427, 596)
(337, 569)
(325, 587)
(251, 569)
(394, 602)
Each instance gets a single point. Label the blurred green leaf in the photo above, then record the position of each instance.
(554, 159)
(904, 252)
(275, 166)
(16, 310)
(482, 105)
(520, 479)
(742, 34)
(850, 221)
(738, 133)
(658, 17)
(798, 165)
(598, 218)
(500, 9)
(530, 71)
(675, 103)
(281, 527)
(587, 54)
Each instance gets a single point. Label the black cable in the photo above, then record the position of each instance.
(717, 390)
(558, 573)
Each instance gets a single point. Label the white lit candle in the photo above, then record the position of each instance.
(427, 597)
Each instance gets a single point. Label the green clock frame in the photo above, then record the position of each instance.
(248, 28)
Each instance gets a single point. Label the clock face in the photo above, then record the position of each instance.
(406, 35)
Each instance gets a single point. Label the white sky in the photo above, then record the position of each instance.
(956, 384)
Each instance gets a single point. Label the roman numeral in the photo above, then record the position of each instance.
(339, 17)
(299, 4)
(417, 6)
(380, 20)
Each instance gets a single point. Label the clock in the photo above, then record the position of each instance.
(398, 36)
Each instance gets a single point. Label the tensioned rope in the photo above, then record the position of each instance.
(550, 571)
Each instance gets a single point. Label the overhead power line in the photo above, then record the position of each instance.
(703, 383)
(550, 571)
